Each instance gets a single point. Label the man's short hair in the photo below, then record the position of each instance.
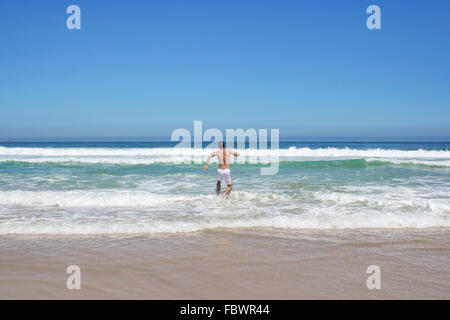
(221, 144)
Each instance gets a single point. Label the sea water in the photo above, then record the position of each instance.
(139, 187)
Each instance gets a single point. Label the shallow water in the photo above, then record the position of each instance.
(123, 188)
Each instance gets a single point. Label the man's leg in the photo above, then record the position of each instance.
(227, 191)
(218, 186)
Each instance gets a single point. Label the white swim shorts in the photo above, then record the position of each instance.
(224, 174)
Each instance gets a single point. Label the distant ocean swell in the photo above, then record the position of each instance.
(292, 152)
(135, 156)
(345, 163)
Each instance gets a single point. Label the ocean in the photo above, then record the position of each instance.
(95, 188)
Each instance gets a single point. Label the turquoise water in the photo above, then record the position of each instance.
(150, 187)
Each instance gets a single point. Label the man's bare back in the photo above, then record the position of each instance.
(223, 155)
(223, 172)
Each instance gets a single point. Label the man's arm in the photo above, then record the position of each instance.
(212, 155)
(236, 154)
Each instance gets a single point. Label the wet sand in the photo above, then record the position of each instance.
(224, 264)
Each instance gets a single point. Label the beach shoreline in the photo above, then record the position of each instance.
(230, 264)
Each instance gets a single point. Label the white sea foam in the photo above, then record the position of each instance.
(170, 155)
(80, 226)
(174, 202)
(89, 198)
(95, 212)
(290, 152)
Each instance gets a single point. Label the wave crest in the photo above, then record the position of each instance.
(137, 156)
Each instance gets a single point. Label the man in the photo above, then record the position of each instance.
(223, 172)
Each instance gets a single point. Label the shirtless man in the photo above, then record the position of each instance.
(223, 172)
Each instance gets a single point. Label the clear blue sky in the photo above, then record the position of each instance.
(144, 68)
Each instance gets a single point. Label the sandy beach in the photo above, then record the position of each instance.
(224, 264)
(232, 150)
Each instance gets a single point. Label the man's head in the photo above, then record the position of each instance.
(222, 145)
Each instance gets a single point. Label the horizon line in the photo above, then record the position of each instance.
(281, 139)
